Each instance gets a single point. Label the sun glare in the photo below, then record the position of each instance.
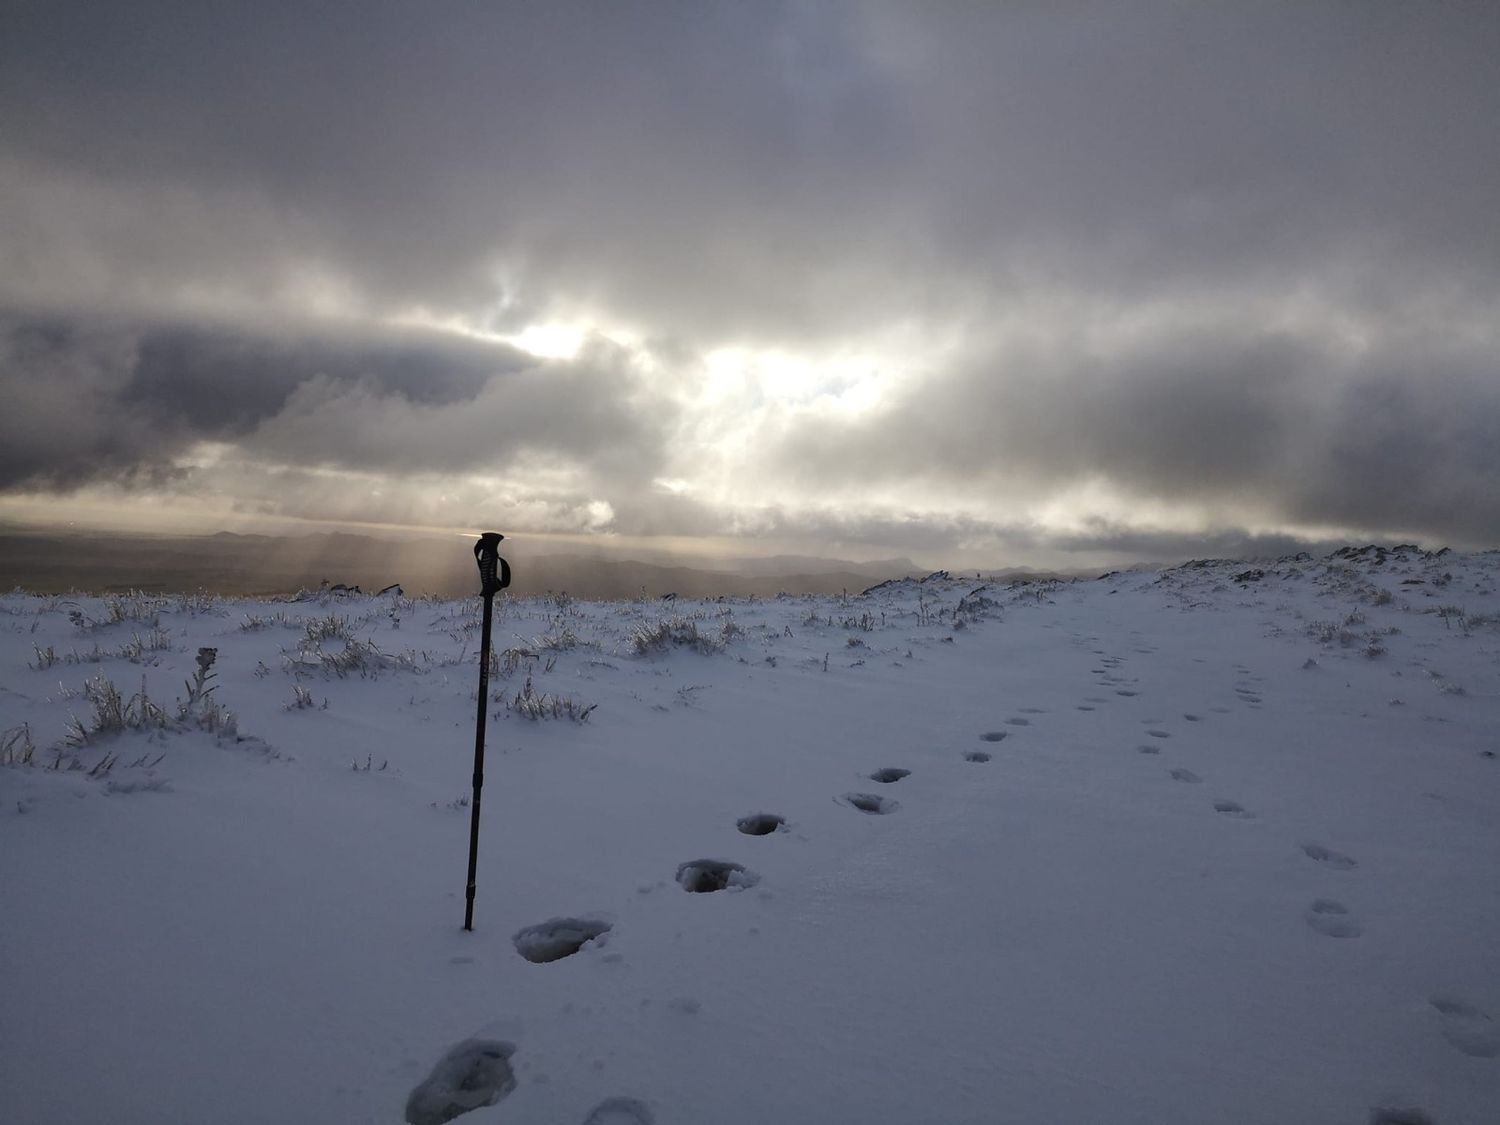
(549, 341)
(555, 340)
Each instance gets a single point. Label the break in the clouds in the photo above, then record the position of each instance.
(950, 280)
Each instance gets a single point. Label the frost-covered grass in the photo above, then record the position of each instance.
(1217, 843)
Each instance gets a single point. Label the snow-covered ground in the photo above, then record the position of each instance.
(1203, 845)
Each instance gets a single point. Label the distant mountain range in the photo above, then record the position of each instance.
(55, 561)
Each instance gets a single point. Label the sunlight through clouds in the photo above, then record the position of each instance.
(549, 341)
(835, 274)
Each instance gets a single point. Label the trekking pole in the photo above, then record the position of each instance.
(494, 575)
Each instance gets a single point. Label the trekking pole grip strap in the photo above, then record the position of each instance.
(494, 572)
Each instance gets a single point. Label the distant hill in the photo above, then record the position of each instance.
(231, 563)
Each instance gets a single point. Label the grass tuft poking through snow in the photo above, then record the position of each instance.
(677, 632)
(528, 703)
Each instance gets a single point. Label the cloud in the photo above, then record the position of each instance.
(1232, 423)
(98, 399)
(778, 171)
(1163, 269)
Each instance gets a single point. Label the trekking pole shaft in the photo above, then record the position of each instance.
(484, 694)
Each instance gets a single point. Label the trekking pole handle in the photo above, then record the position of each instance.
(494, 572)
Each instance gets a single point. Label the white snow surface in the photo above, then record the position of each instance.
(1236, 857)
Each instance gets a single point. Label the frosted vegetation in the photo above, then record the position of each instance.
(1216, 843)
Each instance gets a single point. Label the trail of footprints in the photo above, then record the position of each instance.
(1465, 1027)
(476, 1073)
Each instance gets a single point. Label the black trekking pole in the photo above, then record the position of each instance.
(494, 575)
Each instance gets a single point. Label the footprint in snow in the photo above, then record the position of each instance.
(1018, 722)
(1126, 693)
(1159, 733)
(1328, 857)
(1233, 808)
(887, 776)
(1467, 1028)
(558, 938)
(760, 824)
(1147, 748)
(1193, 718)
(471, 1075)
(703, 876)
(870, 803)
(1332, 919)
(1082, 707)
(976, 756)
(1032, 710)
(619, 1111)
(1185, 775)
(993, 736)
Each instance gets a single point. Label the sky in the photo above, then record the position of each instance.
(971, 283)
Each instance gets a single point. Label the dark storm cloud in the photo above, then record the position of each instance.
(1195, 410)
(1395, 434)
(1415, 446)
(105, 399)
(1272, 427)
(615, 150)
(224, 378)
(767, 170)
(1150, 143)
(591, 410)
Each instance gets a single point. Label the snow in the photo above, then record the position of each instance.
(1169, 848)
